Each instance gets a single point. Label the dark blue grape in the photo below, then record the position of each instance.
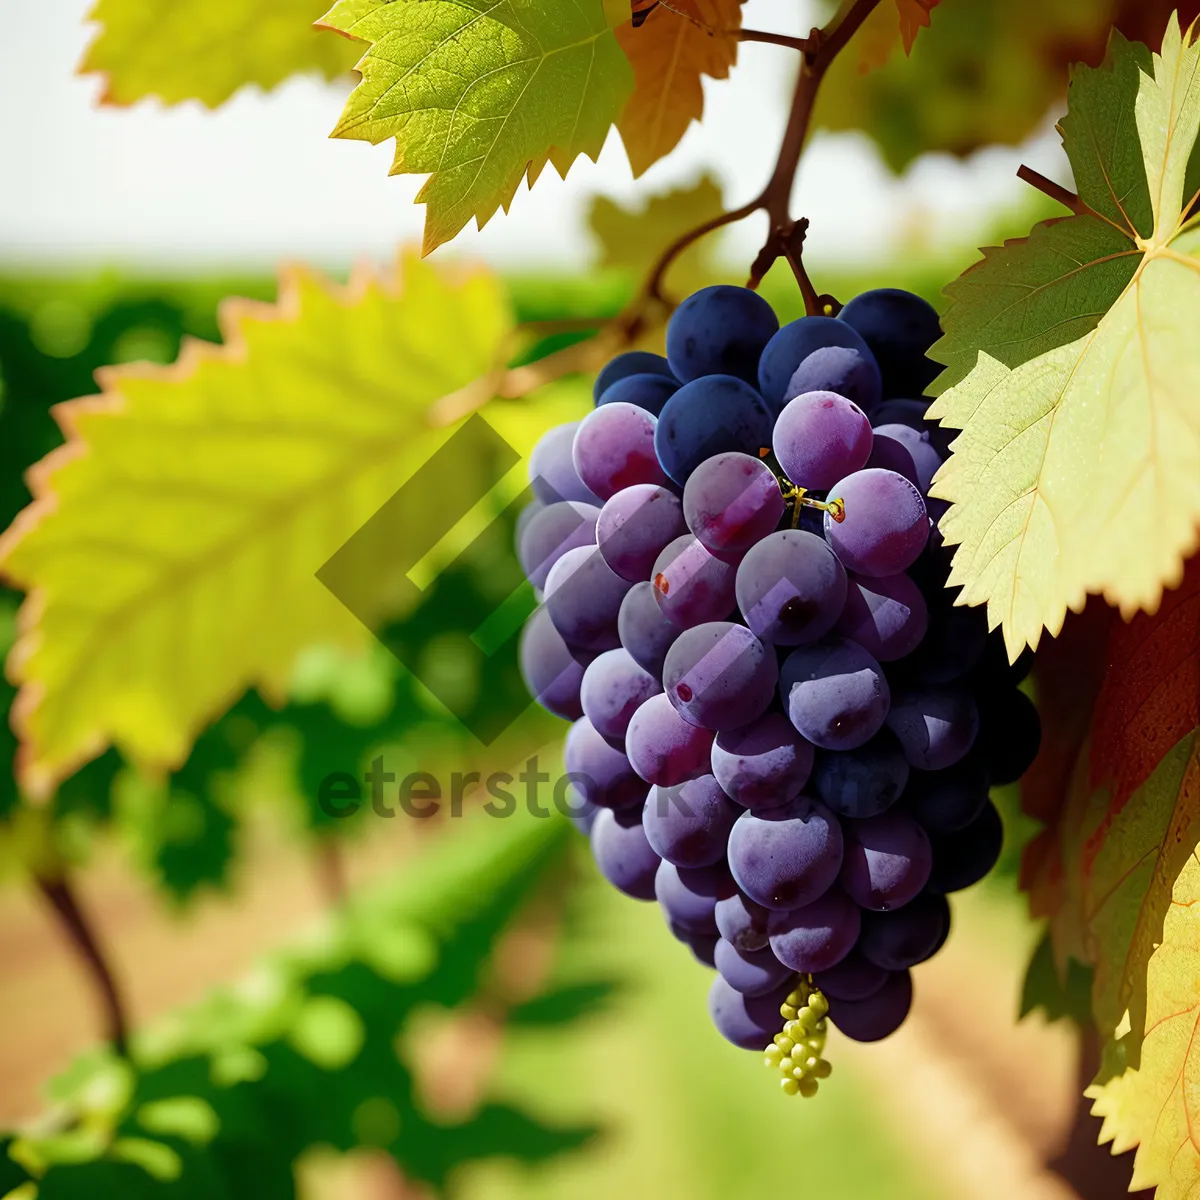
(650, 392)
(895, 941)
(879, 1015)
(633, 362)
(963, 858)
(854, 978)
(949, 800)
(792, 345)
(899, 328)
(710, 416)
(720, 330)
(1010, 733)
(842, 369)
(861, 783)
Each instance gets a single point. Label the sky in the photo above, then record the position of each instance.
(184, 189)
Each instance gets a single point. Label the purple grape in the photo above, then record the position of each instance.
(935, 726)
(691, 585)
(820, 438)
(895, 941)
(663, 748)
(920, 448)
(555, 529)
(702, 945)
(635, 526)
(600, 773)
(946, 801)
(861, 783)
(879, 1015)
(854, 978)
(749, 1022)
(643, 629)
(614, 688)
(741, 922)
(632, 362)
(719, 330)
(649, 391)
(614, 449)
(552, 671)
(707, 417)
(763, 764)
(847, 371)
(732, 501)
(623, 854)
(787, 857)
(526, 515)
(963, 858)
(689, 895)
(1011, 733)
(886, 862)
(688, 824)
(790, 588)
(886, 616)
(817, 936)
(954, 644)
(887, 454)
(899, 327)
(792, 345)
(583, 598)
(834, 693)
(720, 676)
(582, 814)
(552, 470)
(885, 526)
(751, 972)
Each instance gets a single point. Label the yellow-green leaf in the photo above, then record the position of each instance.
(207, 50)
(1079, 471)
(478, 92)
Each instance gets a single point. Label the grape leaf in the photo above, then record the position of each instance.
(206, 51)
(478, 93)
(670, 53)
(173, 545)
(1079, 470)
(915, 15)
(1056, 997)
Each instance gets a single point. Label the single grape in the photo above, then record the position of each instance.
(599, 772)
(614, 688)
(887, 454)
(643, 629)
(887, 616)
(583, 598)
(663, 748)
(709, 416)
(790, 588)
(861, 783)
(854, 978)
(689, 895)
(763, 764)
(899, 328)
(649, 392)
(557, 528)
(885, 525)
(935, 726)
(879, 1015)
(886, 861)
(526, 515)
(635, 526)
(921, 450)
(963, 858)
(623, 854)
(581, 813)
(732, 501)
(949, 800)
(749, 1022)
(614, 449)
(817, 936)
(633, 362)
(702, 945)
(1010, 733)
(895, 941)
(552, 469)
(720, 330)
(953, 644)
(688, 824)
(751, 972)
(742, 922)
(834, 693)
(792, 345)
(912, 413)
(786, 857)
(692, 585)
(720, 676)
(844, 370)
(820, 438)
(552, 671)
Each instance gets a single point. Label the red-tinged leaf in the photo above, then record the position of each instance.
(915, 15)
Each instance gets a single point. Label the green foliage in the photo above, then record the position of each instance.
(1057, 997)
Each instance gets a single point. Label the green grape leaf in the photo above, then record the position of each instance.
(1079, 470)
(206, 51)
(1057, 996)
(477, 94)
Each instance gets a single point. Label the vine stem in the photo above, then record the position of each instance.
(60, 895)
(1055, 191)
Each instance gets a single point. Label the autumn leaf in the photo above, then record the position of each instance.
(1079, 471)
(207, 50)
(915, 15)
(478, 93)
(670, 52)
(172, 548)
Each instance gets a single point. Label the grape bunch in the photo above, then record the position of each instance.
(784, 730)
